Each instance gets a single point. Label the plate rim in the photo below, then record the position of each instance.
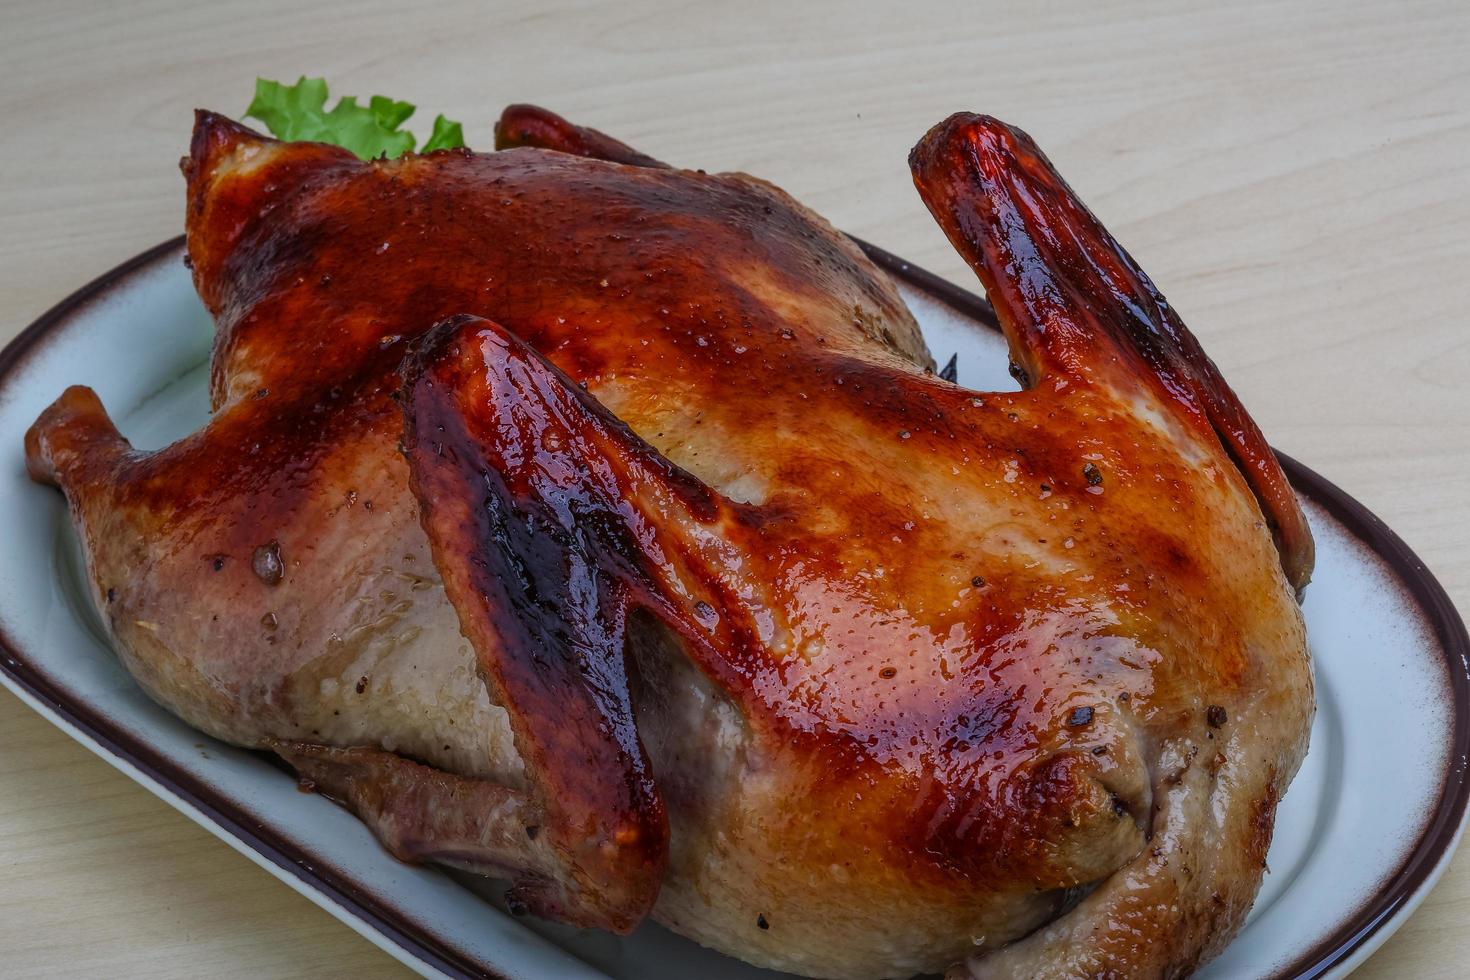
(1358, 935)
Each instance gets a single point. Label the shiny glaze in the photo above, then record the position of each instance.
(1008, 211)
(915, 666)
(528, 125)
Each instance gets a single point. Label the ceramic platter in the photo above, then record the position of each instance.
(1366, 829)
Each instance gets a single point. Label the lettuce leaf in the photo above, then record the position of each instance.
(446, 136)
(299, 112)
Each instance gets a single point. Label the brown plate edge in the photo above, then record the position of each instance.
(442, 954)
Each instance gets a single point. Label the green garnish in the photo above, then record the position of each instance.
(446, 136)
(299, 112)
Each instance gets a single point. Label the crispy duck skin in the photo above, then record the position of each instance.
(602, 525)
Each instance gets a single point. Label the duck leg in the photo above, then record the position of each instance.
(1081, 316)
(1073, 302)
(529, 125)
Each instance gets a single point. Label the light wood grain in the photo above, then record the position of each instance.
(1295, 175)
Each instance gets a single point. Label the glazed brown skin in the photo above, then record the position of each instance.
(1012, 216)
(832, 664)
(528, 125)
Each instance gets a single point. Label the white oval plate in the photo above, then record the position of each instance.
(1362, 835)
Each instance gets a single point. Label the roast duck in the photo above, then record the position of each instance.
(603, 526)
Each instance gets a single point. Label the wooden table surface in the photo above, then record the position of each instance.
(1296, 176)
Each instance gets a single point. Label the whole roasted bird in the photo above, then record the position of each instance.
(603, 526)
